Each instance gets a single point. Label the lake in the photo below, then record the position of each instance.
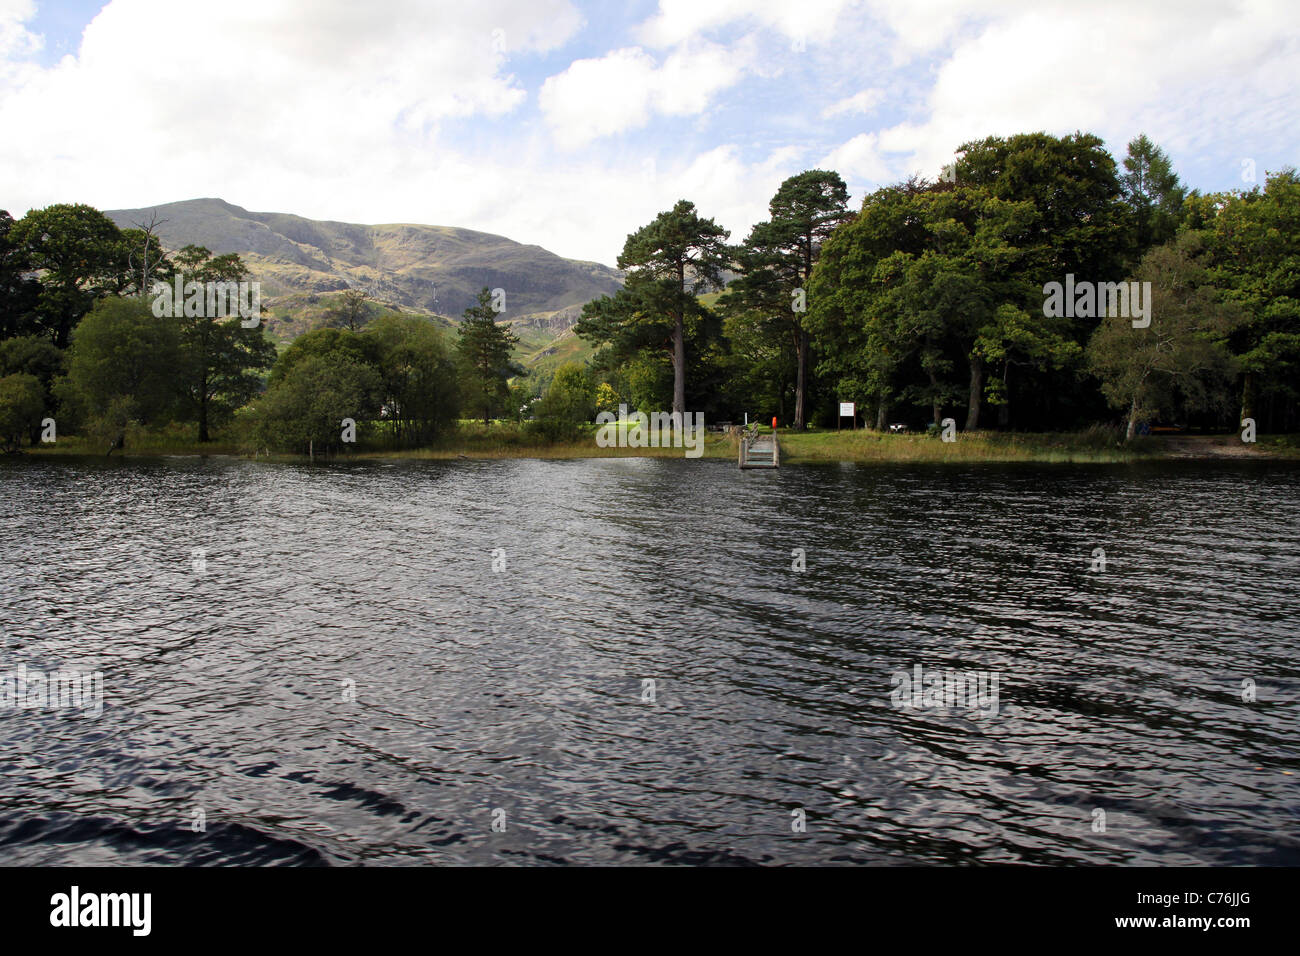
(616, 661)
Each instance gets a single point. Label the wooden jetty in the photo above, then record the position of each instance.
(759, 451)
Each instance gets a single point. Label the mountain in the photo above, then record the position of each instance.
(436, 270)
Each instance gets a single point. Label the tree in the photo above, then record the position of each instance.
(219, 356)
(417, 376)
(1151, 188)
(1072, 186)
(485, 348)
(146, 260)
(632, 333)
(19, 292)
(1179, 362)
(522, 398)
(647, 381)
(860, 347)
(1254, 243)
(81, 257)
(305, 409)
(571, 397)
(122, 367)
(931, 300)
(933, 277)
(570, 401)
(326, 342)
(33, 355)
(1071, 219)
(777, 261)
(351, 310)
(760, 360)
(607, 399)
(670, 262)
(22, 402)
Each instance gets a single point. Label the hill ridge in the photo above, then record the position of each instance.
(436, 270)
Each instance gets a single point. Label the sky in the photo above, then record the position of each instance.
(571, 124)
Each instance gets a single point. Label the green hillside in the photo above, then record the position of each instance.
(303, 264)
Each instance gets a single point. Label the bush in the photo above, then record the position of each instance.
(553, 430)
(306, 408)
(1101, 436)
(22, 402)
(571, 397)
(123, 367)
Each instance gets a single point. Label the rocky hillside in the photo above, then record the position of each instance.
(436, 270)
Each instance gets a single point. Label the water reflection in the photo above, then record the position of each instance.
(522, 690)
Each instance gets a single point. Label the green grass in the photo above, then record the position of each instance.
(474, 440)
(507, 440)
(172, 440)
(1287, 446)
(868, 446)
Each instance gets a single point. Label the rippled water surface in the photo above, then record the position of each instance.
(522, 690)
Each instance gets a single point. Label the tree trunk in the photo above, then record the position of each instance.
(882, 415)
(1132, 420)
(1248, 396)
(801, 384)
(1004, 410)
(679, 345)
(976, 392)
(679, 364)
(203, 421)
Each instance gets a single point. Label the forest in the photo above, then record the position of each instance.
(996, 293)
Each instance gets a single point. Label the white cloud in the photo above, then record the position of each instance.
(806, 20)
(621, 90)
(587, 210)
(1188, 74)
(16, 41)
(727, 188)
(169, 94)
(422, 112)
(918, 28)
(338, 114)
(861, 160)
(598, 97)
(864, 102)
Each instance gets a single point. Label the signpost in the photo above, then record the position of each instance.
(847, 410)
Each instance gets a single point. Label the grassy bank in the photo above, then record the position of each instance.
(506, 440)
(868, 446)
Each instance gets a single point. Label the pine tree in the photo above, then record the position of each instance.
(485, 348)
(1151, 187)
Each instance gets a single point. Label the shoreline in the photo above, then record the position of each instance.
(812, 447)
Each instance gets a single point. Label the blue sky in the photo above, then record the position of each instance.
(60, 26)
(570, 124)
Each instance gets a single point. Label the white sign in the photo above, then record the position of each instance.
(846, 410)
